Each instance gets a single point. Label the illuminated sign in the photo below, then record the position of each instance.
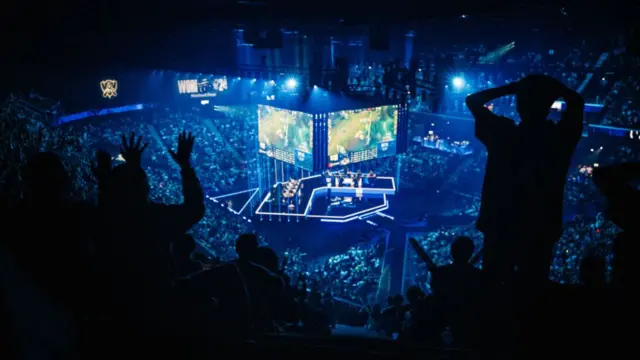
(187, 86)
(109, 88)
(202, 88)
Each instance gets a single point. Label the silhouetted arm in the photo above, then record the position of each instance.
(101, 170)
(102, 190)
(572, 118)
(486, 121)
(283, 266)
(193, 195)
(476, 102)
(186, 215)
(431, 266)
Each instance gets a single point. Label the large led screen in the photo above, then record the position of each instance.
(360, 135)
(286, 135)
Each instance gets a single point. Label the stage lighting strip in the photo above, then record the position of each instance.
(385, 215)
(255, 192)
(384, 206)
(368, 213)
(248, 201)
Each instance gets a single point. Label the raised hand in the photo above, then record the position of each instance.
(185, 147)
(131, 149)
(422, 254)
(102, 165)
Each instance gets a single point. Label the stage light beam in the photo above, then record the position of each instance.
(458, 82)
(291, 83)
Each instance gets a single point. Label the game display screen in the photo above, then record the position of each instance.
(286, 135)
(360, 135)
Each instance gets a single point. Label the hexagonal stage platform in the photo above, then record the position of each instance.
(317, 197)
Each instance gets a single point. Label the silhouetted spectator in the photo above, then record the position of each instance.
(51, 242)
(457, 287)
(615, 182)
(592, 271)
(525, 161)
(137, 233)
(182, 250)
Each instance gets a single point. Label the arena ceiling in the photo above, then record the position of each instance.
(70, 32)
(166, 14)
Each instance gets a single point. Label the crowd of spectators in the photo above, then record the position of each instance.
(621, 103)
(350, 275)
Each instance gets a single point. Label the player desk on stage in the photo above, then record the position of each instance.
(349, 180)
(291, 188)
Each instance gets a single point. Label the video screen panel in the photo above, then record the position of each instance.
(286, 135)
(361, 135)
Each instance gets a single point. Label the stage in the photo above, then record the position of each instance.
(318, 197)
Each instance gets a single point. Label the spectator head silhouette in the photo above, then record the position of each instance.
(592, 270)
(397, 300)
(45, 176)
(534, 96)
(129, 184)
(184, 246)
(247, 246)
(462, 249)
(268, 258)
(414, 294)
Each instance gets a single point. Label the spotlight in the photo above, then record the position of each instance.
(291, 83)
(458, 82)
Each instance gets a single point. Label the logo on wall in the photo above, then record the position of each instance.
(109, 88)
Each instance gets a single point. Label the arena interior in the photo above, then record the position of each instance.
(341, 154)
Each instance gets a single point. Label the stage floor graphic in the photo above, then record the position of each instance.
(318, 199)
